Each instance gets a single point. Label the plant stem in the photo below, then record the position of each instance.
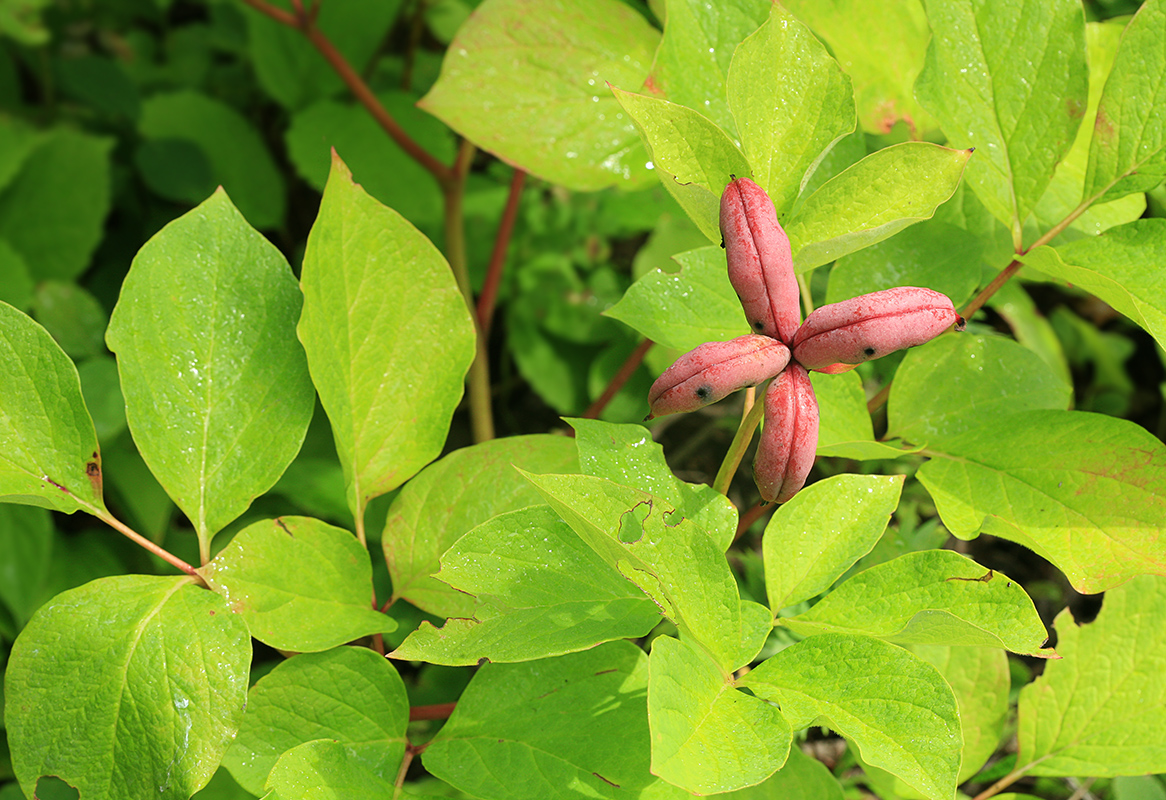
(162, 553)
(403, 771)
(749, 517)
(807, 297)
(1006, 781)
(877, 401)
(737, 449)
(625, 372)
(437, 711)
(489, 295)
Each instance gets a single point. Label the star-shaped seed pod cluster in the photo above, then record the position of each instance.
(834, 338)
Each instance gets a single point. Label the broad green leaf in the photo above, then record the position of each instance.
(238, 156)
(881, 48)
(932, 597)
(325, 769)
(1020, 113)
(953, 384)
(791, 102)
(217, 391)
(626, 454)
(388, 336)
(567, 727)
(980, 680)
(386, 171)
(149, 672)
(48, 448)
(452, 496)
(686, 309)
(708, 737)
(672, 560)
(175, 169)
(349, 694)
(1085, 491)
(294, 72)
(696, 159)
(1128, 150)
(932, 254)
(873, 200)
(693, 58)
(895, 708)
(73, 317)
(540, 591)
(526, 80)
(1031, 328)
(815, 537)
(53, 211)
(1121, 266)
(26, 539)
(17, 140)
(300, 584)
(1101, 710)
(845, 430)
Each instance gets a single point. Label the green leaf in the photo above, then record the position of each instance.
(17, 140)
(1121, 267)
(73, 317)
(955, 383)
(1128, 150)
(894, 707)
(708, 737)
(932, 254)
(686, 309)
(873, 200)
(980, 680)
(101, 389)
(216, 386)
(238, 156)
(53, 211)
(693, 58)
(1021, 114)
(386, 171)
(294, 72)
(819, 534)
(175, 169)
(349, 694)
(672, 560)
(388, 336)
(1085, 491)
(932, 597)
(695, 158)
(626, 454)
(791, 101)
(325, 769)
(1101, 710)
(16, 285)
(540, 591)
(846, 430)
(26, 539)
(154, 672)
(452, 496)
(881, 48)
(48, 448)
(566, 727)
(525, 80)
(300, 584)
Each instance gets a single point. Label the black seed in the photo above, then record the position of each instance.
(704, 391)
(759, 325)
(869, 351)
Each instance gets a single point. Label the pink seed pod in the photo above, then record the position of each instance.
(715, 370)
(871, 326)
(761, 267)
(789, 440)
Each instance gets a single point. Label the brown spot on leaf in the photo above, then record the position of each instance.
(605, 780)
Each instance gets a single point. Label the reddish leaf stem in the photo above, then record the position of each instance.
(751, 516)
(305, 22)
(437, 711)
(621, 377)
(489, 295)
(162, 553)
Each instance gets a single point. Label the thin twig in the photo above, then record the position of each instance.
(489, 295)
(750, 517)
(622, 375)
(436, 711)
(737, 449)
(1003, 783)
(360, 90)
(162, 553)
